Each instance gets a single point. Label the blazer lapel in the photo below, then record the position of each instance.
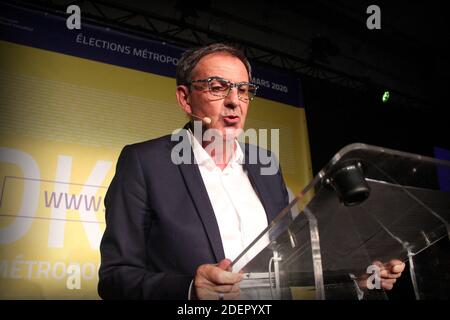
(254, 175)
(197, 190)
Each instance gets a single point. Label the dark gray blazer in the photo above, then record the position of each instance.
(160, 224)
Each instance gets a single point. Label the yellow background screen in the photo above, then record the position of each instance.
(63, 123)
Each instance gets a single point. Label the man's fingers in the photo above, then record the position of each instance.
(387, 275)
(225, 292)
(393, 266)
(224, 264)
(213, 282)
(218, 276)
(388, 284)
(390, 281)
(227, 288)
(398, 268)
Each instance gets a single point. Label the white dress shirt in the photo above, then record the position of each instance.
(238, 210)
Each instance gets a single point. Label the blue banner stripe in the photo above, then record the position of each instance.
(49, 32)
(443, 172)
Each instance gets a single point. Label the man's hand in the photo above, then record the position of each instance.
(389, 272)
(215, 281)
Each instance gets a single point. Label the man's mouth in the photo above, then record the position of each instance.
(231, 119)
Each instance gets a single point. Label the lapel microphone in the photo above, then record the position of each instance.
(206, 120)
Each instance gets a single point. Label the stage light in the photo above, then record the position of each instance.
(386, 96)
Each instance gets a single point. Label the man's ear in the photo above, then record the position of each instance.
(183, 98)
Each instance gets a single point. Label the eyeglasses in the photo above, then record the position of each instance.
(221, 88)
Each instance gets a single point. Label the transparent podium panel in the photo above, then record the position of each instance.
(365, 208)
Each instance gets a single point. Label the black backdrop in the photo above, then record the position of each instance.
(338, 116)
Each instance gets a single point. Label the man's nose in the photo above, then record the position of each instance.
(232, 99)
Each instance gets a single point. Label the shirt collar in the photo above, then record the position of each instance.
(204, 159)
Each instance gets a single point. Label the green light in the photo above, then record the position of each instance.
(386, 95)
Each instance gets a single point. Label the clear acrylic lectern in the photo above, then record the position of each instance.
(367, 205)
